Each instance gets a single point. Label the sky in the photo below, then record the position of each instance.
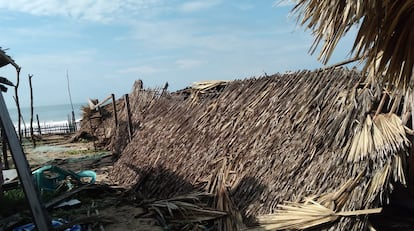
(103, 46)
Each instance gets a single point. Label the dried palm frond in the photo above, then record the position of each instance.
(398, 166)
(393, 133)
(206, 85)
(183, 210)
(199, 88)
(380, 183)
(305, 215)
(378, 137)
(376, 186)
(384, 37)
(218, 186)
(314, 210)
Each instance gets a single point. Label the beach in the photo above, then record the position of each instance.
(48, 114)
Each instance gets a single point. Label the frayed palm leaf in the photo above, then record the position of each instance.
(219, 183)
(378, 138)
(314, 211)
(184, 210)
(305, 215)
(384, 37)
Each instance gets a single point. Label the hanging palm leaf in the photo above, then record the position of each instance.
(383, 40)
(314, 211)
(378, 137)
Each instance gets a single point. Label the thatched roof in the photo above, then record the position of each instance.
(279, 138)
(384, 40)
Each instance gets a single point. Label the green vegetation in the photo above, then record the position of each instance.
(13, 201)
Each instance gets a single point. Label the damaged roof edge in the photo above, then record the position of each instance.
(5, 59)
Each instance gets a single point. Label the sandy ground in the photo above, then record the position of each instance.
(119, 215)
(56, 150)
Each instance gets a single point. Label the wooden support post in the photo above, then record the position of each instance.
(39, 213)
(69, 123)
(1, 180)
(128, 116)
(74, 128)
(92, 131)
(4, 148)
(114, 107)
(16, 98)
(164, 89)
(38, 125)
(31, 112)
(1, 165)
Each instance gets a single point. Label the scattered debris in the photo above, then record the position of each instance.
(9, 176)
(55, 224)
(68, 203)
(52, 178)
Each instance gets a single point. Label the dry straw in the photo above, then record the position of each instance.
(314, 211)
(379, 137)
(384, 36)
(262, 142)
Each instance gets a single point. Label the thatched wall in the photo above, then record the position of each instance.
(285, 137)
(99, 124)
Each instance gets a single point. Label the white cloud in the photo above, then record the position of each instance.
(140, 70)
(92, 10)
(199, 38)
(193, 6)
(157, 35)
(188, 63)
(58, 61)
(285, 3)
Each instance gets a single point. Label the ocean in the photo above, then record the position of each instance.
(48, 115)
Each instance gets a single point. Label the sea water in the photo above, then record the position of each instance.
(48, 115)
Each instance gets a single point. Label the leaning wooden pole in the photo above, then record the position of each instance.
(38, 125)
(4, 144)
(16, 98)
(39, 213)
(73, 120)
(31, 111)
(1, 180)
(127, 107)
(114, 108)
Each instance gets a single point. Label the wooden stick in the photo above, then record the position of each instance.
(128, 109)
(31, 111)
(381, 104)
(115, 112)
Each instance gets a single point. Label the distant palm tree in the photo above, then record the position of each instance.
(385, 38)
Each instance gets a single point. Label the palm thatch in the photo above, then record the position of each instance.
(183, 212)
(98, 123)
(384, 36)
(283, 139)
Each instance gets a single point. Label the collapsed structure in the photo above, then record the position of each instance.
(318, 142)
